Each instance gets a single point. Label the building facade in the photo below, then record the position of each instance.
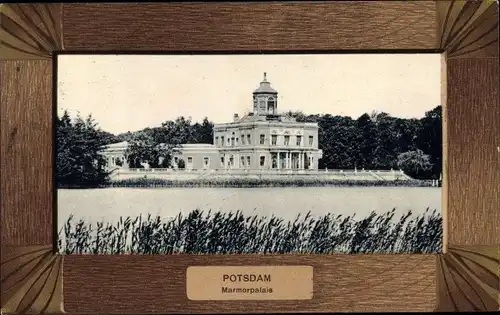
(262, 139)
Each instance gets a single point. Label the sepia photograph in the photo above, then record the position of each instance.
(249, 153)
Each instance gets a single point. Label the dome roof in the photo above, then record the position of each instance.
(265, 87)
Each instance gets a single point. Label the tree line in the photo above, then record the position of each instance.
(372, 141)
(380, 141)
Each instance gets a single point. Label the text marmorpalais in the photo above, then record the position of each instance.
(247, 290)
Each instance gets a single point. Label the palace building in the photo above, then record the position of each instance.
(262, 139)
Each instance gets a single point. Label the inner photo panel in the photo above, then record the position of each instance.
(253, 153)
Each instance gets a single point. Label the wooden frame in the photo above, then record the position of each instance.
(465, 277)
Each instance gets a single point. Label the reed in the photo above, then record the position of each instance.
(241, 182)
(234, 233)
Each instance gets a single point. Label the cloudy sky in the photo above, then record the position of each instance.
(131, 92)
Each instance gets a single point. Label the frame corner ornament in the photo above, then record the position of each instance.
(31, 280)
(30, 31)
(468, 279)
(468, 28)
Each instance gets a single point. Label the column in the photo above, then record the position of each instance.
(301, 160)
(278, 159)
(288, 154)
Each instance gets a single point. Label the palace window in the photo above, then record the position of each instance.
(232, 141)
(231, 160)
(176, 160)
(254, 104)
(274, 139)
(243, 140)
(236, 141)
(274, 160)
(262, 160)
(222, 161)
(299, 141)
(206, 160)
(222, 140)
(190, 160)
(262, 139)
(287, 140)
(228, 141)
(242, 161)
(217, 141)
(262, 105)
(271, 104)
(311, 140)
(249, 141)
(248, 161)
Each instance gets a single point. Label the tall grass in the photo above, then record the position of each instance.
(235, 233)
(240, 182)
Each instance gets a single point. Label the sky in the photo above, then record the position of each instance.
(132, 92)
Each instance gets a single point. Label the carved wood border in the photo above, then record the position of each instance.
(468, 275)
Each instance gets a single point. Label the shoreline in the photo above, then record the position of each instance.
(252, 183)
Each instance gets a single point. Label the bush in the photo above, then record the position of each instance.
(416, 164)
(181, 164)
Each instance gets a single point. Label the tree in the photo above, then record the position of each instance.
(385, 154)
(367, 141)
(143, 148)
(416, 164)
(201, 133)
(156, 145)
(78, 159)
(337, 138)
(406, 133)
(430, 138)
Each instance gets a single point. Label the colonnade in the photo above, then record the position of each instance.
(288, 160)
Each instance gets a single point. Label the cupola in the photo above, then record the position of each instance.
(265, 99)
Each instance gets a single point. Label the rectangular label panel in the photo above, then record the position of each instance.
(209, 283)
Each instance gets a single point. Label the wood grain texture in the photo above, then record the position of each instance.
(251, 26)
(30, 31)
(468, 29)
(473, 124)
(31, 280)
(26, 152)
(372, 283)
(468, 279)
(156, 284)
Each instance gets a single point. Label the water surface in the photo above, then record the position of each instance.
(108, 204)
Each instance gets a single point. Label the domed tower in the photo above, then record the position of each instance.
(265, 99)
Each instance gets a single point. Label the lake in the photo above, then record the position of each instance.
(108, 204)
